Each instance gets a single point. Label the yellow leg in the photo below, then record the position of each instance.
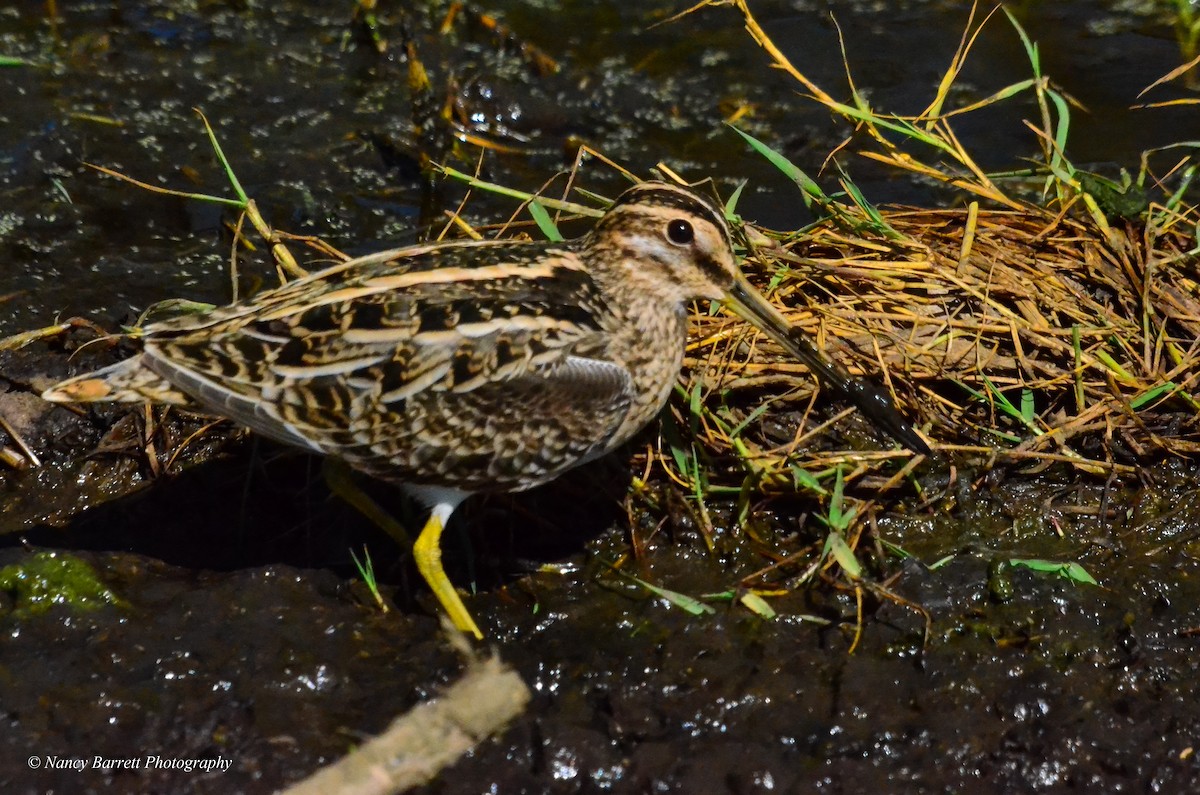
(428, 555)
(427, 552)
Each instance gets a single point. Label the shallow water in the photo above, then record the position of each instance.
(243, 635)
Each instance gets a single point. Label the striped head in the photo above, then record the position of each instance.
(666, 241)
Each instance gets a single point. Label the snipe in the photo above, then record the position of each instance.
(456, 368)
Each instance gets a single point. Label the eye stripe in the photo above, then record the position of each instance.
(660, 194)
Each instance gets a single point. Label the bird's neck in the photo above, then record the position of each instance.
(652, 353)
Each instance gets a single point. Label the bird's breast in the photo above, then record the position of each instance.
(650, 345)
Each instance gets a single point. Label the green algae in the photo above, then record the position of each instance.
(46, 579)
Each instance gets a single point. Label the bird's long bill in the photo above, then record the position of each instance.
(868, 398)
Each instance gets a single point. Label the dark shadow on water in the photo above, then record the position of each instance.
(265, 505)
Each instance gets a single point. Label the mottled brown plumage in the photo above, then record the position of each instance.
(455, 368)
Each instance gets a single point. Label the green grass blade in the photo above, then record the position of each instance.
(836, 546)
(1058, 161)
(942, 561)
(520, 195)
(1002, 400)
(688, 604)
(837, 516)
(1108, 361)
(1069, 571)
(1031, 49)
(751, 417)
(757, 605)
(1162, 390)
(732, 202)
(880, 225)
(1027, 410)
(229, 173)
(803, 479)
(544, 221)
(810, 190)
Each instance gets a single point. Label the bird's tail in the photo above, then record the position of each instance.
(130, 381)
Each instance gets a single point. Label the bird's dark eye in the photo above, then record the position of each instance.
(680, 232)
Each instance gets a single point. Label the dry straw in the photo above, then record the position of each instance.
(1037, 332)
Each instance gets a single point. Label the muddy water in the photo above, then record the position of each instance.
(241, 633)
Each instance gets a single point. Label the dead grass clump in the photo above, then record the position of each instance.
(1043, 333)
(1014, 334)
